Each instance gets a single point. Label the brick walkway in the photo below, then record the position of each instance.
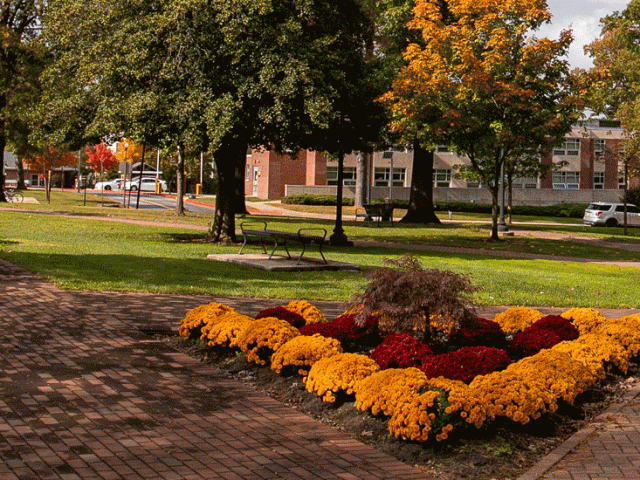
(85, 394)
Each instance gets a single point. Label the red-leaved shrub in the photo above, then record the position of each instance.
(294, 319)
(465, 364)
(558, 325)
(478, 332)
(400, 350)
(531, 341)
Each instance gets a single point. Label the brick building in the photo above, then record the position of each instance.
(268, 172)
(589, 158)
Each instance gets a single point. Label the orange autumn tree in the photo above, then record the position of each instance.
(128, 151)
(480, 83)
(50, 159)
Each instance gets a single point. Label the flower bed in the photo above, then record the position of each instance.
(558, 358)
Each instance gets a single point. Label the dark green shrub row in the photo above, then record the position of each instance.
(306, 199)
(569, 210)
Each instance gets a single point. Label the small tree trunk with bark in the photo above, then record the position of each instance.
(3, 144)
(179, 183)
(495, 206)
(362, 180)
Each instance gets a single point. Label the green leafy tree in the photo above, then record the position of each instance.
(217, 76)
(18, 22)
(479, 83)
(614, 82)
(303, 83)
(389, 38)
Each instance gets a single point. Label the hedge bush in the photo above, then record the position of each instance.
(566, 210)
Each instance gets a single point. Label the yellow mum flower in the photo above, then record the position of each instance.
(310, 313)
(585, 319)
(516, 319)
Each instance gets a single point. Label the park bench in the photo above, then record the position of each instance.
(379, 212)
(303, 237)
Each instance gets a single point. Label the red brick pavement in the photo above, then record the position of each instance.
(84, 395)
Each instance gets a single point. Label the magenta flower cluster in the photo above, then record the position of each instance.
(294, 319)
(544, 333)
(465, 364)
(352, 337)
(400, 350)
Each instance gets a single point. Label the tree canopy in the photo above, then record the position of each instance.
(614, 80)
(217, 75)
(482, 84)
(18, 22)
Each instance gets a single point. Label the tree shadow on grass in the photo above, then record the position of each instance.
(174, 275)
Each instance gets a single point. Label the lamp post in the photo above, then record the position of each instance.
(339, 238)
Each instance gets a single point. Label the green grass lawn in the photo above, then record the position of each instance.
(87, 252)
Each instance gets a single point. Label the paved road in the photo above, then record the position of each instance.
(149, 201)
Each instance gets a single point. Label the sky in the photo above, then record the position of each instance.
(583, 17)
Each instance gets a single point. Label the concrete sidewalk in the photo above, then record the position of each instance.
(86, 394)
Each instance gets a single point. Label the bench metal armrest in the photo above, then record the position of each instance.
(313, 229)
(252, 225)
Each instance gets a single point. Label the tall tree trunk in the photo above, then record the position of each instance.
(20, 167)
(362, 179)
(240, 160)
(3, 144)
(421, 197)
(179, 183)
(228, 158)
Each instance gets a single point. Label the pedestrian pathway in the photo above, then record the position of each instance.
(85, 394)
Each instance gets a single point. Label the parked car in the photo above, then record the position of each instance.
(611, 214)
(109, 185)
(148, 185)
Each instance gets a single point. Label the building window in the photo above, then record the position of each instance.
(349, 174)
(598, 180)
(474, 184)
(621, 180)
(381, 177)
(442, 149)
(526, 182)
(570, 147)
(566, 180)
(598, 147)
(441, 178)
(622, 148)
(247, 174)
